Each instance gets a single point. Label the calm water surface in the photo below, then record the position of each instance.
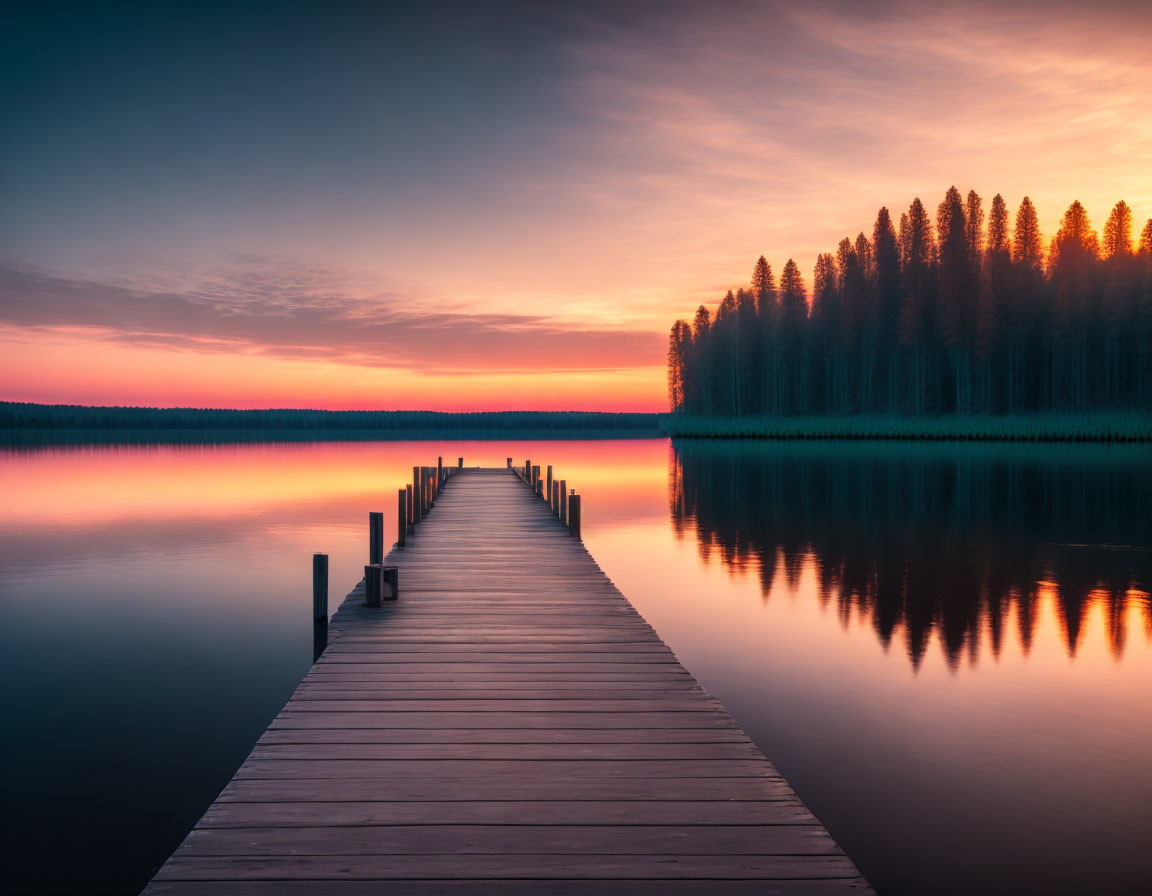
(947, 649)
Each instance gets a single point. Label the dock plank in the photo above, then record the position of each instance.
(511, 725)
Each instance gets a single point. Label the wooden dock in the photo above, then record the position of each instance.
(509, 725)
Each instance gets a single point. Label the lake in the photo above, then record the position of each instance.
(945, 648)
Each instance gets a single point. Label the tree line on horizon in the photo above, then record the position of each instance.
(30, 416)
(956, 315)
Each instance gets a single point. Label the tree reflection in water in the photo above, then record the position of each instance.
(922, 539)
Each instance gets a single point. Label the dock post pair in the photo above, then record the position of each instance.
(380, 581)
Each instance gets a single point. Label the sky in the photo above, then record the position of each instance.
(503, 205)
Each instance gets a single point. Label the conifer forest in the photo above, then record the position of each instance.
(965, 313)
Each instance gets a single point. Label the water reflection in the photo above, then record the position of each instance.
(156, 603)
(157, 606)
(919, 541)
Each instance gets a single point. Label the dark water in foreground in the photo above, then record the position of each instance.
(947, 649)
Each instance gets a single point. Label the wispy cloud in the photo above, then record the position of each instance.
(298, 314)
(788, 125)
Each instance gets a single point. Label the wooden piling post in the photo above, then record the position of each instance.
(320, 588)
(535, 479)
(563, 513)
(460, 463)
(574, 515)
(509, 463)
(548, 486)
(401, 518)
(439, 475)
(375, 537)
(408, 494)
(417, 500)
(372, 583)
(528, 471)
(554, 502)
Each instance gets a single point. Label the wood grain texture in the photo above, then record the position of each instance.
(510, 725)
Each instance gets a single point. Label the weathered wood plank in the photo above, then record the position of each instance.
(508, 751)
(686, 703)
(647, 696)
(434, 887)
(259, 766)
(291, 718)
(481, 789)
(536, 866)
(503, 736)
(627, 839)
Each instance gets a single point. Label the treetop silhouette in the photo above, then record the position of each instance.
(966, 313)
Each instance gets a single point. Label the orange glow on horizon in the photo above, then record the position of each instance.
(89, 486)
(54, 369)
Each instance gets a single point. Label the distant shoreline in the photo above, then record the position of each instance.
(1103, 426)
(17, 437)
(26, 423)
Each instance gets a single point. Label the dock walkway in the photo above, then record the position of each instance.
(510, 725)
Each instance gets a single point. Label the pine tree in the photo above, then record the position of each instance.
(1118, 231)
(1072, 262)
(1119, 305)
(974, 237)
(868, 323)
(793, 316)
(1027, 281)
(702, 361)
(748, 352)
(763, 283)
(679, 348)
(767, 308)
(724, 354)
(917, 250)
(825, 325)
(957, 287)
(1143, 393)
(1027, 247)
(886, 263)
(973, 224)
(863, 250)
(1001, 322)
(852, 345)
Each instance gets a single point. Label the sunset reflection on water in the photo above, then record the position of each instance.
(937, 645)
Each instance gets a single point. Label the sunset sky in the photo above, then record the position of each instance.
(498, 205)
